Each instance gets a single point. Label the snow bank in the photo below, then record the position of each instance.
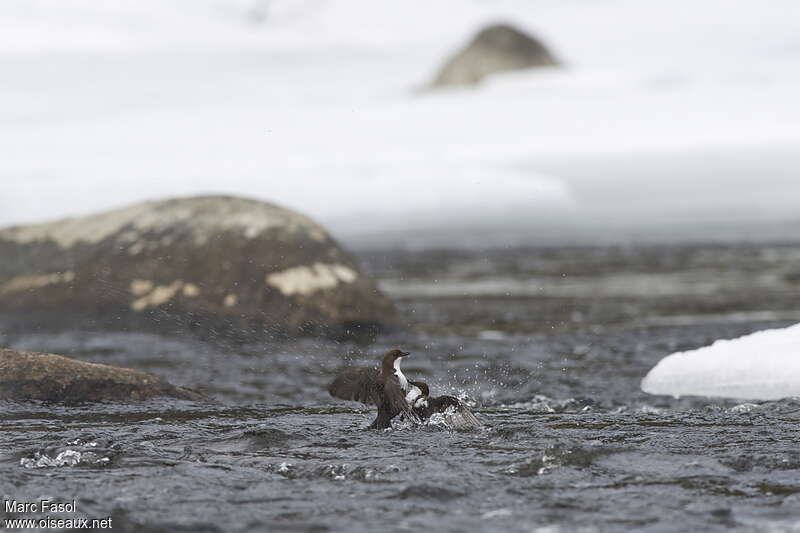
(762, 366)
(663, 115)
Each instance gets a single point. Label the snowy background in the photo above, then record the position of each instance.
(669, 120)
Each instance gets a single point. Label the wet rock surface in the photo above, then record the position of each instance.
(496, 48)
(210, 265)
(55, 378)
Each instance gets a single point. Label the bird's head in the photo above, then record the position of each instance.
(423, 388)
(391, 357)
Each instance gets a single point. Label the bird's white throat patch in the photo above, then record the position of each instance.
(399, 374)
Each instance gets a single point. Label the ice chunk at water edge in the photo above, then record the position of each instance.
(761, 366)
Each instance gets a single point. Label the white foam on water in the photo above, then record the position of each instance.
(67, 457)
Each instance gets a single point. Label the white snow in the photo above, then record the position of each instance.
(305, 280)
(667, 117)
(762, 366)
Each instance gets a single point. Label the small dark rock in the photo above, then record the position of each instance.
(496, 48)
(55, 378)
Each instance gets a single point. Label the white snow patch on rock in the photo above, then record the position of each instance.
(160, 294)
(140, 287)
(203, 216)
(761, 366)
(306, 280)
(70, 231)
(35, 281)
(190, 290)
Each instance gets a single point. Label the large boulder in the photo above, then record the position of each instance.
(55, 378)
(215, 265)
(496, 48)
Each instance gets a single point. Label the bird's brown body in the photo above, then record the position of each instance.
(384, 388)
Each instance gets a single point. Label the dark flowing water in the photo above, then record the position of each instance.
(549, 345)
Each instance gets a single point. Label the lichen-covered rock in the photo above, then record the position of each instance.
(496, 48)
(55, 378)
(216, 265)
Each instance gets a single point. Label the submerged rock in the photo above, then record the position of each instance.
(55, 378)
(217, 265)
(496, 48)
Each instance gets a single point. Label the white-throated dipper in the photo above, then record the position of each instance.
(458, 414)
(385, 388)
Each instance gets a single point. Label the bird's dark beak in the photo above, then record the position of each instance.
(405, 354)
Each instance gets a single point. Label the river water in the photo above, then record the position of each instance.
(549, 346)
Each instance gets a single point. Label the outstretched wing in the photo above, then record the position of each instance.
(396, 397)
(439, 404)
(460, 418)
(358, 384)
